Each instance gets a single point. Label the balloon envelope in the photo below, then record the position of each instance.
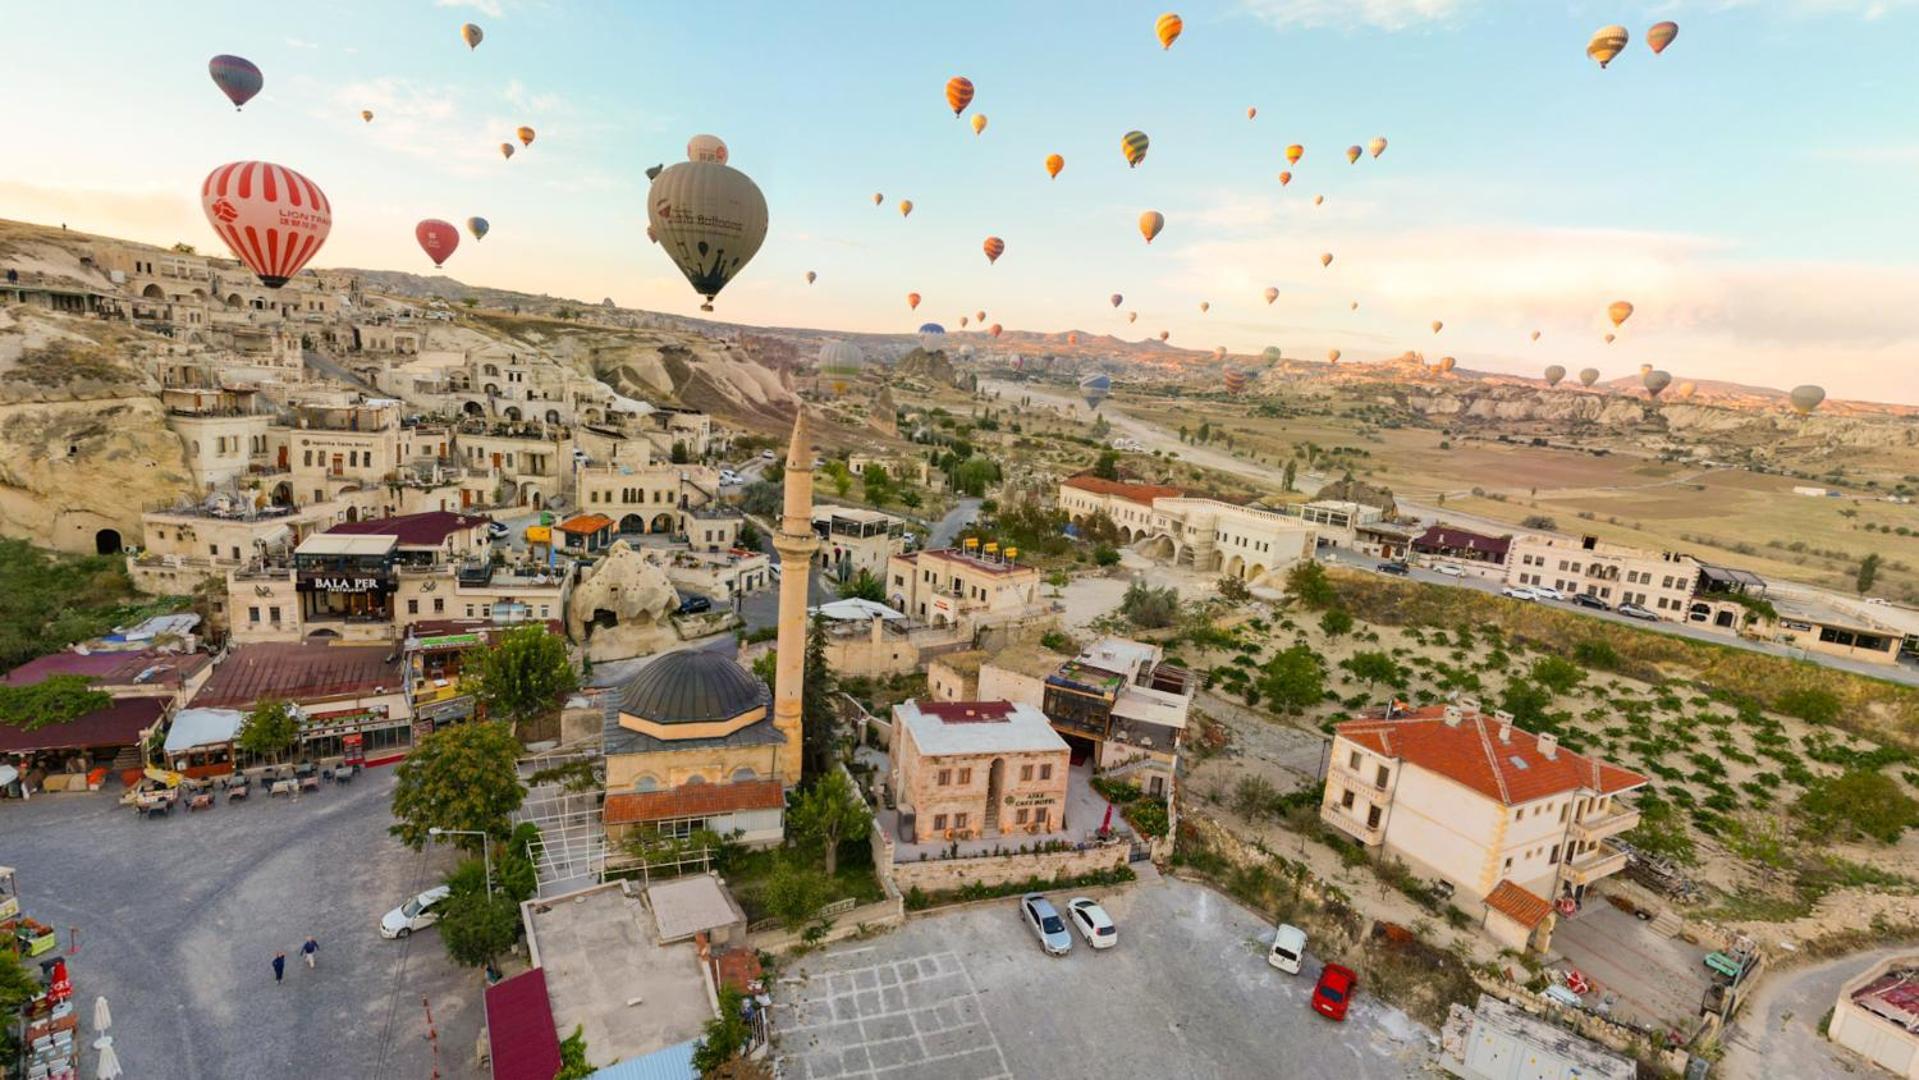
(1095, 387)
(1332, 356)
(1272, 294)
(912, 301)
(367, 115)
(472, 35)
(478, 227)
(994, 248)
(1352, 154)
(979, 123)
(810, 277)
(1660, 35)
(272, 218)
(906, 207)
(1554, 373)
(1377, 145)
(1134, 144)
(1116, 299)
(959, 93)
(1294, 153)
(1167, 28)
(1588, 376)
(1806, 398)
(711, 220)
(1438, 326)
(1655, 381)
(439, 239)
(236, 77)
(526, 135)
(1619, 311)
(1205, 307)
(701, 148)
(1606, 43)
(1150, 223)
(994, 329)
(506, 150)
(1054, 163)
(1326, 258)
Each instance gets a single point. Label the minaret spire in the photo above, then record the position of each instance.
(795, 543)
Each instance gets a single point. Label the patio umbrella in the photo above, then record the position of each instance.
(1107, 825)
(102, 1016)
(109, 1067)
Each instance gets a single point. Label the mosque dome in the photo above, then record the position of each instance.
(691, 687)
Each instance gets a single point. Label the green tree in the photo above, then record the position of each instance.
(523, 676)
(839, 477)
(1868, 573)
(1233, 590)
(794, 892)
(57, 699)
(1337, 622)
(724, 1036)
(1308, 584)
(911, 499)
(749, 536)
(1147, 607)
(573, 1063)
(17, 984)
(829, 812)
(1289, 475)
(1375, 667)
(269, 730)
(1293, 679)
(680, 454)
(972, 476)
(877, 483)
(1106, 466)
(1527, 701)
(819, 717)
(1057, 580)
(1558, 674)
(863, 586)
(462, 777)
(1105, 555)
(477, 928)
(1858, 802)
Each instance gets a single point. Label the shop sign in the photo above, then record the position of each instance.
(1030, 800)
(345, 584)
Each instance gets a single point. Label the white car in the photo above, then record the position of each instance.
(1092, 922)
(729, 477)
(1289, 949)
(1547, 592)
(768, 455)
(1520, 592)
(1449, 570)
(416, 914)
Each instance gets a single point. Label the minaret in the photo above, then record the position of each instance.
(795, 542)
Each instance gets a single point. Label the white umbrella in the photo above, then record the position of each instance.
(109, 1062)
(102, 1017)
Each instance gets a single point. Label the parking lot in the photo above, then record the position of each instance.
(178, 919)
(967, 995)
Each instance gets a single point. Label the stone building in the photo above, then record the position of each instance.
(965, 769)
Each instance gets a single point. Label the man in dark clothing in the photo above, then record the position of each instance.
(309, 950)
(279, 966)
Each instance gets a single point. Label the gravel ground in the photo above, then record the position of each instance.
(1778, 1032)
(178, 919)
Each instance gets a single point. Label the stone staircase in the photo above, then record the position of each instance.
(1668, 924)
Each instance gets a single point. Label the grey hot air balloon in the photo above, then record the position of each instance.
(1094, 388)
(1588, 376)
(1554, 374)
(710, 218)
(840, 363)
(1655, 381)
(1806, 398)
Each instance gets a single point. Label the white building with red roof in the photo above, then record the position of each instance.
(1517, 824)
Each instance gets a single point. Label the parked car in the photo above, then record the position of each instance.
(1519, 592)
(1334, 991)
(1547, 592)
(729, 477)
(497, 530)
(768, 455)
(416, 914)
(1093, 922)
(693, 605)
(1397, 569)
(1047, 926)
(1588, 600)
(1449, 569)
(1634, 611)
(1289, 948)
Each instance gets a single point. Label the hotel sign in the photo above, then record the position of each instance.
(337, 583)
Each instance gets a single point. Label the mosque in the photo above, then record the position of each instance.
(695, 741)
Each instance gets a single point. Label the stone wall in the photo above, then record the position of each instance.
(939, 875)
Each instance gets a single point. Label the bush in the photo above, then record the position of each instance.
(1557, 674)
(1307, 583)
(1860, 802)
(1149, 608)
(1233, 590)
(1813, 705)
(1056, 641)
(1597, 654)
(1336, 623)
(1105, 555)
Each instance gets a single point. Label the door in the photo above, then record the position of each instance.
(284, 464)
(995, 779)
(339, 465)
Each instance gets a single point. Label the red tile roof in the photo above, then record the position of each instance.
(520, 1035)
(119, 724)
(1144, 494)
(585, 523)
(967, 712)
(1528, 909)
(112, 668)
(429, 529)
(1472, 754)
(1454, 538)
(300, 672)
(693, 800)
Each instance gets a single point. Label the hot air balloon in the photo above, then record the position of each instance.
(698, 148)
(1606, 43)
(1167, 27)
(1294, 153)
(1332, 356)
(1610, 338)
(1644, 368)
(1054, 163)
(1535, 335)
(810, 277)
(1619, 311)
(878, 198)
(1132, 316)
(1660, 35)
(1205, 307)
(1806, 398)
(979, 316)
(1164, 334)
(1094, 388)
(1116, 299)
(912, 301)
(438, 239)
(1133, 144)
(1018, 362)
(236, 77)
(1354, 306)
(1325, 258)
(906, 207)
(272, 218)
(1446, 363)
(711, 219)
(932, 336)
(1251, 111)
(841, 362)
(526, 139)
(478, 227)
(979, 123)
(1588, 376)
(1438, 326)
(1235, 381)
(506, 150)
(1272, 294)
(367, 115)
(1317, 199)
(1219, 352)
(1270, 354)
(994, 248)
(963, 321)
(1150, 223)
(472, 35)
(1285, 178)
(1352, 154)
(1655, 381)
(959, 93)
(994, 329)
(1554, 373)
(1377, 145)
(1686, 390)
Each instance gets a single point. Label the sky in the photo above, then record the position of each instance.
(1748, 190)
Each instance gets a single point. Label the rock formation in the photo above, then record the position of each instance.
(621, 608)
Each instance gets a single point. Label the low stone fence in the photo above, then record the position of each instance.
(939, 875)
(879, 915)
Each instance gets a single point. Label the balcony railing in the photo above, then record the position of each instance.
(1345, 821)
(1358, 779)
(1593, 828)
(1598, 863)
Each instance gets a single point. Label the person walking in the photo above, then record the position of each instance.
(279, 966)
(310, 950)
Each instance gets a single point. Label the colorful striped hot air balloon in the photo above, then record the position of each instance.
(1285, 178)
(1150, 223)
(1133, 144)
(1352, 154)
(1606, 43)
(994, 248)
(959, 93)
(1167, 29)
(236, 77)
(1660, 35)
(438, 239)
(472, 35)
(1294, 153)
(1054, 163)
(1235, 381)
(272, 218)
(366, 115)
(1377, 146)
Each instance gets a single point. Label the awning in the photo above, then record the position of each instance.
(8, 774)
(857, 610)
(195, 728)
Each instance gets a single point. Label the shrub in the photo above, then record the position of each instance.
(1557, 674)
(1860, 802)
(1336, 622)
(1811, 704)
(1597, 654)
(1105, 555)
(1147, 607)
(1308, 584)
(1056, 641)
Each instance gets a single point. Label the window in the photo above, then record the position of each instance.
(213, 550)
(1352, 762)
(1025, 773)
(273, 614)
(1045, 772)
(1552, 857)
(1372, 817)
(1380, 778)
(1021, 817)
(966, 776)
(439, 605)
(939, 822)
(413, 606)
(1040, 816)
(1509, 865)
(959, 820)
(945, 777)
(1346, 799)
(253, 614)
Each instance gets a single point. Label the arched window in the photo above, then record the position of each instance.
(696, 778)
(744, 772)
(646, 782)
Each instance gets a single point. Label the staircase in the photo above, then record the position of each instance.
(1668, 924)
(1127, 769)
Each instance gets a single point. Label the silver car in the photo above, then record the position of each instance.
(1047, 925)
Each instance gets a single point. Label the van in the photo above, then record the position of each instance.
(1289, 948)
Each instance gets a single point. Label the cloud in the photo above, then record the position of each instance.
(492, 9)
(1863, 9)
(1907, 154)
(1354, 14)
(302, 43)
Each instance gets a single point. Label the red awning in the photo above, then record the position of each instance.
(519, 1028)
(119, 724)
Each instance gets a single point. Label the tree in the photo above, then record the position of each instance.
(829, 812)
(1233, 590)
(680, 454)
(1868, 573)
(911, 499)
(57, 699)
(1527, 701)
(1336, 623)
(1147, 607)
(818, 717)
(1374, 667)
(863, 586)
(471, 302)
(1558, 674)
(1858, 802)
(877, 483)
(1058, 580)
(1105, 555)
(1538, 521)
(794, 892)
(523, 676)
(971, 477)
(573, 1063)
(1293, 679)
(269, 730)
(839, 477)
(1288, 475)
(477, 928)
(1106, 466)
(724, 1036)
(462, 777)
(1308, 584)
(749, 536)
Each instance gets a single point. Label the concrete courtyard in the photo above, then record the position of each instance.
(967, 995)
(178, 919)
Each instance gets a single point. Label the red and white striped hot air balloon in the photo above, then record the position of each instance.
(438, 239)
(272, 218)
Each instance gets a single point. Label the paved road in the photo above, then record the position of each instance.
(1778, 1033)
(179, 918)
(947, 528)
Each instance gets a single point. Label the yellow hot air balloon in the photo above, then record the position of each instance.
(979, 123)
(472, 35)
(1619, 311)
(1251, 111)
(1133, 144)
(994, 248)
(367, 115)
(878, 198)
(1150, 223)
(1352, 154)
(1326, 258)
(1377, 145)
(811, 277)
(1609, 339)
(1645, 369)
(1204, 307)
(506, 150)
(1606, 43)
(526, 136)
(1132, 316)
(1054, 163)
(1294, 153)
(1660, 35)
(1332, 356)
(1686, 390)
(1318, 199)
(1272, 294)
(912, 301)
(1536, 337)
(906, 207)
(959, 93)
(1285, 178)
(1167, 28)
(1438, 326)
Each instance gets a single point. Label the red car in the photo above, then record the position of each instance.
(1334, 991)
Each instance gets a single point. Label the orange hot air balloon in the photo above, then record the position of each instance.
(1609, 339)
(1377, 145)
(1619, 311)
(1251, 111)
(526, 135)
(1132, 316)
(906, 207)
(963, 321)
(1294, 153)
(959, 93)
(366, 115)
(472, 35)
(1446, 363)
(1535, 335)
(994, 329)
(994, 247)
(1072, 339)
(1205, 307)
(1272, 294)
(1326, 258)
(878, 198)
(1164, 334)
(912, 301)
(811, 277)
(1167, 27)
(1438, 326)
(1285, 178)
(979, 123)
(1352, 154)
(1054, 163)
(979, 316)
(1150, 223)
(1660, 35)
(1332, 356)
(1317, 199)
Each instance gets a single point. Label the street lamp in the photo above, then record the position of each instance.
(486, 850)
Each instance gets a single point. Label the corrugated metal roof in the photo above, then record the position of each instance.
(672, 1063)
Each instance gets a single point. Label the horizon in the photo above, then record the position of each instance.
(1742, 190)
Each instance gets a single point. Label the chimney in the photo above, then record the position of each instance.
(1549, 747)
(1454, 716)
(1505, 725)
